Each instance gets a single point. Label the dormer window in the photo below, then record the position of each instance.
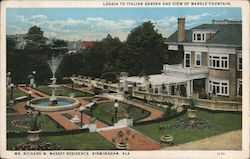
(199, 37)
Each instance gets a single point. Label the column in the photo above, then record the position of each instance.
(153, 89)
(206, 85)
(188, 88)
(125, 85)
(159, 90)
(167, 89)
(191, 86)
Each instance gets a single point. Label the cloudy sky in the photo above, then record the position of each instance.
(96, 23)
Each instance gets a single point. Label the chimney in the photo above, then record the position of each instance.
(181, 29)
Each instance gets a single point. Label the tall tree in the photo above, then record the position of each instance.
(101, 58)
(145, 50)
(11, 45)
(35, 38)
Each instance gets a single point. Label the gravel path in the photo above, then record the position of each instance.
(228, 141)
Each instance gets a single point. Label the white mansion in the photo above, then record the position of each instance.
(212, 62)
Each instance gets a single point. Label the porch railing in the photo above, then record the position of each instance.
(178, 69)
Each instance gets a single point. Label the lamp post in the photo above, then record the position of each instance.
(11, 93)
(81, 110)
(116, 105)
(30, 92)
(34, 82)
(8, 79)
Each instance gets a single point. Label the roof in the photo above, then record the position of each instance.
(229, 34)
(158, 79)
(86, 44)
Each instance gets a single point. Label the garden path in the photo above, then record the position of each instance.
(20, 108)
(35, 93)
(63, 121)
(136, 140)
(227, 141)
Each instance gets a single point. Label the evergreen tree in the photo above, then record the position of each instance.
(35, 39)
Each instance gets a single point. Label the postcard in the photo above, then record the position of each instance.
(125, 79)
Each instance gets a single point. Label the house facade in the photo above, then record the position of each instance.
(215, 52)
(212, 63)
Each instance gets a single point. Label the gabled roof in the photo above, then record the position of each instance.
(229, 34)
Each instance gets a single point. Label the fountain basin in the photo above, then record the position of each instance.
(63, 103)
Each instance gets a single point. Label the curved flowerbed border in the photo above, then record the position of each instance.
(51, 108)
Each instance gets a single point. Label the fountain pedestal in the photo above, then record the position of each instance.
(53, 98)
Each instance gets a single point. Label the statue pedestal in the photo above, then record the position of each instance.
(92, 128)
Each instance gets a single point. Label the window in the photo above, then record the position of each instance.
(239, 87)
(197, 59)
(219, 61)
(199, 37)
(240, 62)
(219, 87)
(187, 59)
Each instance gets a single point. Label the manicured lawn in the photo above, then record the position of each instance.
(16, 93)
(77, 85)
(47, 123)
(62, 91)
(221, 123)
(81, 141)
(103, 112)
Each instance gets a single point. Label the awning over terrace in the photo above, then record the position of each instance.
(158, 79)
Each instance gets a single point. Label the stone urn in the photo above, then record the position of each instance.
(33, 135)
(191, 113)
(167, 140)
(122, 146)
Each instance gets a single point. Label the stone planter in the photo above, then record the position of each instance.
(122, 146)
(33, 135)
(192, 113)
(167, 140)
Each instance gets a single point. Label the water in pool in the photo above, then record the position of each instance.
(59, 103)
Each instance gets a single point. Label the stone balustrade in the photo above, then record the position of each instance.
(186, 71)
(99, 83)
(202, 103)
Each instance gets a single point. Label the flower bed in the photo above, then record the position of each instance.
(37, 146)
(189, 124)
(21, 123)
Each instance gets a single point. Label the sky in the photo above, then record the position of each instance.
(95, 23)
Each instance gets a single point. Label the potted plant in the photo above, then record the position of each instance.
(167, 140)
(122, 145)
(35, 127)
(192, 109)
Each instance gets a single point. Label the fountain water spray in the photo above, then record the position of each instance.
(53, 64)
